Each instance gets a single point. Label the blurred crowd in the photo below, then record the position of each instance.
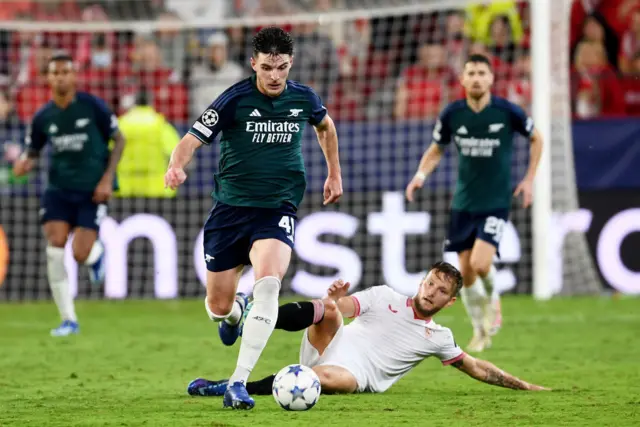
(401, 68)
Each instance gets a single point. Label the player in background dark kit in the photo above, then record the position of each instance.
(482, 126)
(259, 185)
(82, 170)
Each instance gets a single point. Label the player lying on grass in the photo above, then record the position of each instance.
(390, 336)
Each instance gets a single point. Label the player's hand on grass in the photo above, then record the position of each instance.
(338, 289)
(526, 189)
(332, 189)
(22, 166)
(533, 387)
(103, 191)
(174, 178)
(416, 182)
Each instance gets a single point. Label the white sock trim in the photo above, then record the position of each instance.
(96, 252)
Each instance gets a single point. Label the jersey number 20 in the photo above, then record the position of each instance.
(495, 227)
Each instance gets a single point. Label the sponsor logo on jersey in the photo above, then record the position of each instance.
(495, 127)
(269, 132)
(210, 118)
(72, 142)
(477, 147)
(80, 123)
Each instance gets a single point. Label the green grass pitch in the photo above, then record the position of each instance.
(133, 359)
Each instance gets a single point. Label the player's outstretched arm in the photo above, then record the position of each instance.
(180, 158)
(430, 159)
(489, 373)
(328, 139)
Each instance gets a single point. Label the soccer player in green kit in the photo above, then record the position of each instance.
(82, 171)
(259, 185)
(482, 127)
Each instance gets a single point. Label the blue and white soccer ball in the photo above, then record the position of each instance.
(296, 388)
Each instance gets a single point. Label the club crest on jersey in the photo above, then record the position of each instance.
(295, 112)
(495, 127)
(210, 118)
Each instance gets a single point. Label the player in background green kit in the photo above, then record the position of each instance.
(259, 185)
(78, 126)
(482, 126)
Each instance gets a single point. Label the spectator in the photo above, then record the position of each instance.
(596, 30)
(148, 62)
(423, 87)
(481, 15)
(614, 12)
(214, 75)
(630, 44)
(502, 45)
(631, 86)
(150, 141)
(102, 56)
(11, 134)
(455, 41)
(595, 86)
(173, 43)
(519, 86)
(316, 59)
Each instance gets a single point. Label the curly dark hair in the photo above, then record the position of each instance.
(272, 41)
(450, 273)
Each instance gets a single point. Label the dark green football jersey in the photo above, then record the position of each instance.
(485, 145)
(261, 162)
(79, 135)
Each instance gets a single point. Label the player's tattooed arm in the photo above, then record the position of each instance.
(488, 373)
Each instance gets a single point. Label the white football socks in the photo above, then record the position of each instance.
(232, 318)
(96, 252)
(258, 326)
(489, 284)
(474, 298)
(59, 283)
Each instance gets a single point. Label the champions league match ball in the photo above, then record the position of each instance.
(296, 388)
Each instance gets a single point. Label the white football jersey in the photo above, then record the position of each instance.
(387, 340)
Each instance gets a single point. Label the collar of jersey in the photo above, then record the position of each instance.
(415, 314)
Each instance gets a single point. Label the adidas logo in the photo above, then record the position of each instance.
(255, 113)
(462, 130)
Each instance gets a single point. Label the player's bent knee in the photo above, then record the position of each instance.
(266, 289)
(57, 240)
(80, 254)
(218, 307)
(480, 266)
